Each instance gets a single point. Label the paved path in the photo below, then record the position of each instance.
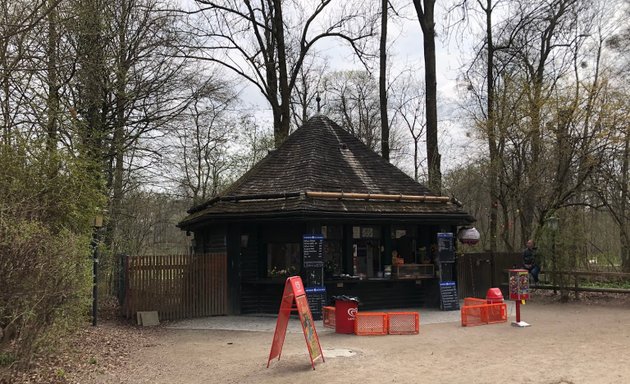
(267, 323)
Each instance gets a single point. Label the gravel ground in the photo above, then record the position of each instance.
(268, 323)
(194, 351)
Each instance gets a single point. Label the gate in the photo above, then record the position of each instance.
(177, 286)
(477, 272)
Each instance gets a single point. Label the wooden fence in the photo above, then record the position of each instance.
(575, 281)
(476, 272)
(177, 286)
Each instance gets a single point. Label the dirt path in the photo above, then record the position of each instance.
(567, 343)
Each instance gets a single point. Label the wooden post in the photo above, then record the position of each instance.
(577, 293)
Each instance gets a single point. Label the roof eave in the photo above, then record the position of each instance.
(454, 218)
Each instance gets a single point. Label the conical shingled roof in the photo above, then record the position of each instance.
(321, 156)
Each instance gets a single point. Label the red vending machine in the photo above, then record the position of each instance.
(518, 284)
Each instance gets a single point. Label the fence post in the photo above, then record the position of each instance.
(127, 288)
(577, 293)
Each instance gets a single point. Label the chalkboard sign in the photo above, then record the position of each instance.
(313, 276)
(448, 296)
(316, 300)
(445, 247)
(313, 250)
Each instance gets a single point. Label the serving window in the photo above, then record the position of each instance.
(404, 242)
(333, 249)
(283, 259)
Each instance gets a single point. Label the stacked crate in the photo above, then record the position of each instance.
(328, 315)
(480, 312)
(387, 323)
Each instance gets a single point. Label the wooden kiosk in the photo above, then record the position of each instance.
(323, 181)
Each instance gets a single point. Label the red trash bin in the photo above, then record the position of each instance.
(497, 311)
(345, 311)
(494, 296)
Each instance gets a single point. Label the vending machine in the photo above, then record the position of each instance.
(518, 284)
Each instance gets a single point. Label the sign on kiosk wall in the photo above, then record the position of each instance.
(446, 250)
(313, 273)
(294, 293)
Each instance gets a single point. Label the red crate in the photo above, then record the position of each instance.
(370, 323)
(329, 317)
(470, 301)
(473, 315)
(483, 313)
(496, 313)
(403, 323)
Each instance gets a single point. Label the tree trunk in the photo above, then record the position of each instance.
(92, 62)
(282, 131)
(53, 86)
(491, 131)
(505, 233)
(6, 106)
(624, 225)
(118, 141)
(427, 23)
(416, 163)
(383, 83)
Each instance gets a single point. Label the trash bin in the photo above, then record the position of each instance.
(494, 296)
(497, 310)
(345, 310)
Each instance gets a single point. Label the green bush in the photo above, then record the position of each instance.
(46, 203)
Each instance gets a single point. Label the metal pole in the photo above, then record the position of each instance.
(518, 311)
(555, 262)
(94, 275)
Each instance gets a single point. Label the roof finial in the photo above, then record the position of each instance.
(318, 99)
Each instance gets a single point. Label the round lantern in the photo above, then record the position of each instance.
(468, 236)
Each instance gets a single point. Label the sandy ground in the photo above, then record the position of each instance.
(567, 343)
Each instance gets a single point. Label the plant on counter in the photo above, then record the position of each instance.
(290, 271)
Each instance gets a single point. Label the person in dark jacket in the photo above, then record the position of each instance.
(529, 260)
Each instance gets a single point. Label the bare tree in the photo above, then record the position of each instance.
(144, 87)
(204, 134)
(425, 12)
(352, 100)
(17, 52)
(485, 55)
(409, 111)
(308, 87)
(613, 183)
(266, 42)
(382, 81)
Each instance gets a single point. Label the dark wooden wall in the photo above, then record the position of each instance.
(265, 296)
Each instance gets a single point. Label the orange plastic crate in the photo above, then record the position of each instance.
(403, 323)
(370, 323)
(483, 313)
(497, 313)
(329, 317)
(470, 301)
(473, 315)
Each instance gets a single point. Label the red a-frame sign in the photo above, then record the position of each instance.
(294, 292)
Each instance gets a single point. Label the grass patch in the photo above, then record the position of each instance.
(606, 284)
(7, 359)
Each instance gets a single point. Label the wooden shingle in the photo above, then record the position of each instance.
(321, 156)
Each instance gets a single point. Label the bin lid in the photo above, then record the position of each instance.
(494, 294)
(345, 298)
